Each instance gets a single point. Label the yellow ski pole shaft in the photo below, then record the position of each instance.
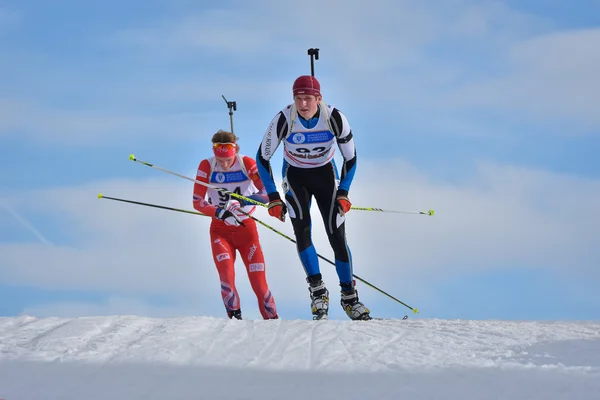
(238, 196)
(429, 212)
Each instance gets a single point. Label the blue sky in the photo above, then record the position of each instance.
(485, 111)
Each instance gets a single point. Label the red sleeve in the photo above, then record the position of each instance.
(252, 169)
(200, 204)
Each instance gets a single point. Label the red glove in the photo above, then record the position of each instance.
(343, 201)
(277, 209)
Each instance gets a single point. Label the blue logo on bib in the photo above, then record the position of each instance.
(298, 138)
(228, 177)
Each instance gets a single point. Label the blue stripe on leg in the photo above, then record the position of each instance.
(309, 260)
(344, 271)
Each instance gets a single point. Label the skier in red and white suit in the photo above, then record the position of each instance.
(231, 230)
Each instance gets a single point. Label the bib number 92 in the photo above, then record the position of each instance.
(305, 150)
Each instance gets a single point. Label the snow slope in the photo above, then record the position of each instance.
(129, 357)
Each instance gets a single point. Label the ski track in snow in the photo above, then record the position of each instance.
(425, 358)
(324, 345)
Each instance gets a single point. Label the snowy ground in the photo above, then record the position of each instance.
(127, 357)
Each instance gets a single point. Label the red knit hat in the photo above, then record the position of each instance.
(307, 84)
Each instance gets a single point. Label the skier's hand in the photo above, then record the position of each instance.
(233, 205)
(228, 217)
(276, 206)
(277, 209)
(343, 201)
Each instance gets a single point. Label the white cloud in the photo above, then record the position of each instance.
(76, 127)
(25, 223)
(114, 305)
(205, 30)
(389, 33)
(553, 76)
(427, 60)
(456, 55)
(268, 31)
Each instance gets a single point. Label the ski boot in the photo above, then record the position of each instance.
(353, 308)
(237, 314)
(319, 296)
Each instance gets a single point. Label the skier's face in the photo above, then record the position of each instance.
(225, 162)
(307, 105)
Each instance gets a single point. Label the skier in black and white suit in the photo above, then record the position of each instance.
(309, 171)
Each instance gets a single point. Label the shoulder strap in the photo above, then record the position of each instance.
(325, 113)
(242, 165)
(293, 114)
(213, 162)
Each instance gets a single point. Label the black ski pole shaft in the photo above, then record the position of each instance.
(415, 310)
(101, 196)
(232, 105)
(314, 55)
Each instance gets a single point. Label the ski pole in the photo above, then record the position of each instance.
(231, 105)
(101, 196)
(222, 190)
(415, 310)
(429, 212)
(314, 55)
